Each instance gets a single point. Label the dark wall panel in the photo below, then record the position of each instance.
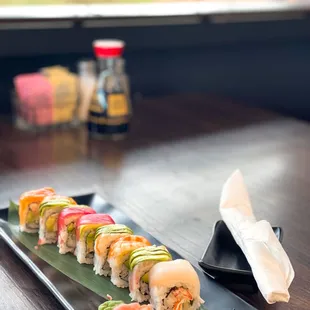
(270, 73)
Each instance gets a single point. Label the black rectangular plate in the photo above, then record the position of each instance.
(73, 295)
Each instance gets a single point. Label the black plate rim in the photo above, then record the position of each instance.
(204, 265)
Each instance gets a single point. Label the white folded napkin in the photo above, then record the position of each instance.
(270, 264)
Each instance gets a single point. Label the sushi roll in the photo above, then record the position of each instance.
(49, 209)
(104, 237)
(110, 304)
(85, 234)
(29, 203)
(66, 227)
(118, 257)
(140, 263)
(120, 305)
(174, 285)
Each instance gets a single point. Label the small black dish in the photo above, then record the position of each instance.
(223, 257)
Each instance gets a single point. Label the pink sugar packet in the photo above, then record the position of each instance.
(35, 98)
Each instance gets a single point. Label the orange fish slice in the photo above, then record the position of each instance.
(124, 245)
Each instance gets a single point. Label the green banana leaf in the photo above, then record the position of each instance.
(67, 264)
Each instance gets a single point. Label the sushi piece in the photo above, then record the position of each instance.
(140, 263)
(174, 285)
(29, 202)
(49, 209)
(118, 257)
(66, 227)
(104, 237)
(120, 305)
(85, 235)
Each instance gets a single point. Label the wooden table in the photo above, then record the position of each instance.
(168, 174)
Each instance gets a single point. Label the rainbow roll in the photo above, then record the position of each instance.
(104, 237)
(66, 227)
(174, 285)
(85, 235)
(49, 209)
(141, 261)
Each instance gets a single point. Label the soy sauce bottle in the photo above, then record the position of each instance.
(110, 109)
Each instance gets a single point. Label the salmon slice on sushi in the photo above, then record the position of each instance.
(49, 209)
(120, 305)
(118, 257)
(67, 227)
(29, 203)
(85, 235)
(141, 262)
(104, 237)
(174, 285)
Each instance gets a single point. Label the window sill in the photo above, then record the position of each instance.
(198, 8)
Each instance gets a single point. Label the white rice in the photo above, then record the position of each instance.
(81, 255)
(27, 228)
(84, 254)
(119, 272)
(139, 290)
(67, 241)
(162, 300)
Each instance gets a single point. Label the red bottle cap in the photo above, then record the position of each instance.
(108, 48)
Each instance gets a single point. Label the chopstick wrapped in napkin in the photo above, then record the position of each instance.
(270, 264)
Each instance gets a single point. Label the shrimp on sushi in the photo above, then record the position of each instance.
(104, 237)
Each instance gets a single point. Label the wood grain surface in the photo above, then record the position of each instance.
(168, 176)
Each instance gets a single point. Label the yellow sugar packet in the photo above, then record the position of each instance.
(65, 93)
